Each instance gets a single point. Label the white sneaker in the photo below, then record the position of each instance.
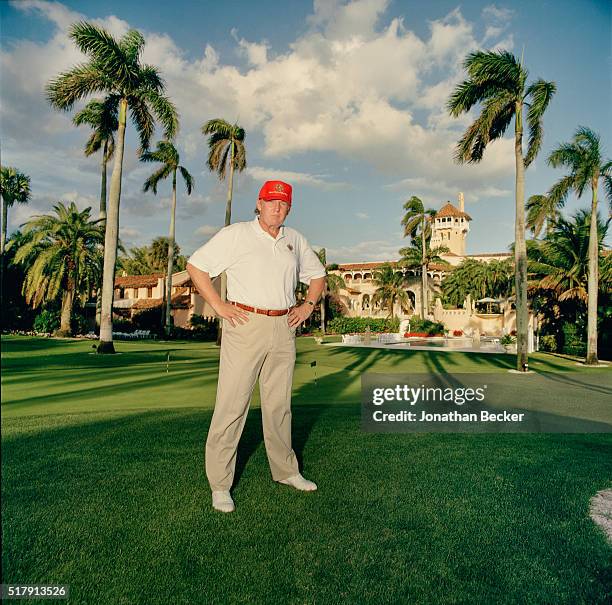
(222, 501)
(300, 483)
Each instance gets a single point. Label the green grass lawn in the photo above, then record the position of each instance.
(103, 487)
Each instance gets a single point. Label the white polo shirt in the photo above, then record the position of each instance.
(262, 271)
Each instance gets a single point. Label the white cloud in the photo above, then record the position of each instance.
(436, 193)
(355, 85)
(497, 14)
(260, 173)
(374, 250)
(362, 215)
(129, 232)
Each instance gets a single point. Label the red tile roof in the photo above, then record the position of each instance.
(492, 254)
(449, 210)
(377, 265)
(138, 281)
(363, 266)
(147, 303)
(179, 301)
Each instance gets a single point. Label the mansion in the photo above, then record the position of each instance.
(451, 225)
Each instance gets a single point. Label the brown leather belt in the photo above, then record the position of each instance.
(273, 312)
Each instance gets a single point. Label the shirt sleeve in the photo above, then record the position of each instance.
(216, 255)
(310, 267)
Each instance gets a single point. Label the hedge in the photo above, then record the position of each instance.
(349, 325)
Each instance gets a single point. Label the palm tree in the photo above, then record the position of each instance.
(390, 288)
(101, 115)
(414, 256)
(167, 154)
(333, 283)
(62, 253)
(541, 209)
(498, 81)
(226, 145)
(417, 221)
(583, 157)
(559, 270)
(478, 279)
(14, 187)
(146, 260)
(114, 68)
(159, 254)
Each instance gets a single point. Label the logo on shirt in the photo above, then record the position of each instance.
(290, 247)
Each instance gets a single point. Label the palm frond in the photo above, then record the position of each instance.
(132, 45)
(142, 120)
(72, 86)
(219, 127)
(189, 182)
(153, 180)
(108, 54)
(540, 93)
(165, 111)
(495, 67)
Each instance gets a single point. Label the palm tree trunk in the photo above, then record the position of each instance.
(4, 221)
(322, 306)
(228, 220)
(170, 258)
(520, 248)
(591, 356)
(423, 272)
(111, 238)
(102, 215)
(103, 185)
(67, 299)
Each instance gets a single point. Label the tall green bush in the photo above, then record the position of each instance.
(47, 321)
(348, 325)
(573, 344)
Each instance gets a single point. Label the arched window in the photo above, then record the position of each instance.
(365, 302)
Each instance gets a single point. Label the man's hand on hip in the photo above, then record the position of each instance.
(297, 315)
(232, 313)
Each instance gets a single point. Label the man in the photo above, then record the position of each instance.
(263, 260)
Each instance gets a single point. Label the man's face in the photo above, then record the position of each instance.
(273, 212)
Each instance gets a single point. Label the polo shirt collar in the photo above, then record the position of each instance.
(261, 232)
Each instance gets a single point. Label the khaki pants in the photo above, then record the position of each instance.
(263, 347)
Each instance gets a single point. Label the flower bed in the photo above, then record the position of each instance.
(422, 335)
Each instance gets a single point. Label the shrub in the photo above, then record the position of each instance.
(548, 342)
(123, 325)
(348, 325)
(507, 339)
(47, 321)
(572, 342)
(202, 328)
(430, 328)
(149, 319)
(79, 324)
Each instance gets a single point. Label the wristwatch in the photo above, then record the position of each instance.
(310, 303)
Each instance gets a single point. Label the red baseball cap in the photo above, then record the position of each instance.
(276, 190)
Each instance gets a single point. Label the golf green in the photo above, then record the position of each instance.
(103, 487)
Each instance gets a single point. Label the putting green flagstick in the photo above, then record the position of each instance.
(313, 364)
(167, 362)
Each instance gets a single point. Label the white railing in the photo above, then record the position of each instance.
(136, 335)
(387, 338)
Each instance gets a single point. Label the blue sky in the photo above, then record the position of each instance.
(345, 100)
